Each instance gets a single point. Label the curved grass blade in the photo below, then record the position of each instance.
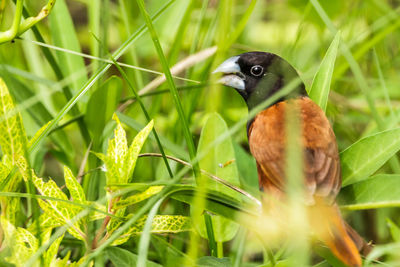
(92, 80)
(172, 87)
(64, 35)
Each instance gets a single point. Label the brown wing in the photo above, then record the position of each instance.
(321, 159)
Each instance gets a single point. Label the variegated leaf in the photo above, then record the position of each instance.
(50, 257)
(116, 154)
(4, 172)
(134, 150)
(115, 222)
(95, 215)
(74, 188)
(60, 211)
(22, 243)
(37, 134)
(45, 221)
(152, 190)
(13, 137)
(161, 224)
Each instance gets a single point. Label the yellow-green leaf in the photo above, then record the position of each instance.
(21, 242)
(135, 148)
(12, 138)
(4, 171)
(37, 134)
(46, 221)
(50, 257)
(95, 215)
(120, 161)
(152, 190)
(74, 188)
(58, 210)
(161, 224)
(116, 154)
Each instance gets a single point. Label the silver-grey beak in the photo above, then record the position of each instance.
(230, 68)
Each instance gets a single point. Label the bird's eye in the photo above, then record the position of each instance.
(256, 70)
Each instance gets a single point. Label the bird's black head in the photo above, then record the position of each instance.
(258, 75)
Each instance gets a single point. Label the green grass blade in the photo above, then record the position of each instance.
(99, 73)
(39, 113)
(359, 77)
(64, 35)
(146, 114)
(172, 87)
(145, 236)
(355, 67)
(106, 96)
(173, 148)
(320, 87)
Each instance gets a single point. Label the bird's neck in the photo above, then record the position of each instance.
(267, 87)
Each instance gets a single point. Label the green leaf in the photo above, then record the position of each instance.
(37, 134)
(394, 230)
(116, 154)
(22, 243)
(174, 148)
(38, 111)
(50, 256)
(107, 97)
(213, 262)
(124, 258)
(12, 138)
(135, 148)
(382, 190)
(12, 208)
(64, 35)
(219, 160)
(319, 90)
(62, 212)
(247, 168)
(46, 221)
(367, 155)
(217, 203)
(74, 188)
(152, 190)
(4, 171)
(120, 161)
(161, 224)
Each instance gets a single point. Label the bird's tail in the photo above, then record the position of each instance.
(330, 228)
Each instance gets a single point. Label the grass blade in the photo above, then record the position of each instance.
(172, 87)
(99, 73)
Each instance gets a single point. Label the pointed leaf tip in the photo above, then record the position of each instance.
(320, 87)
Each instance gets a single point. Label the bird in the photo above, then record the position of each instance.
(257, 76)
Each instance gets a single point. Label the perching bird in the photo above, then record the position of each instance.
(259, 75)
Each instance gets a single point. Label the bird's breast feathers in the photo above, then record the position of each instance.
(267, 140)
